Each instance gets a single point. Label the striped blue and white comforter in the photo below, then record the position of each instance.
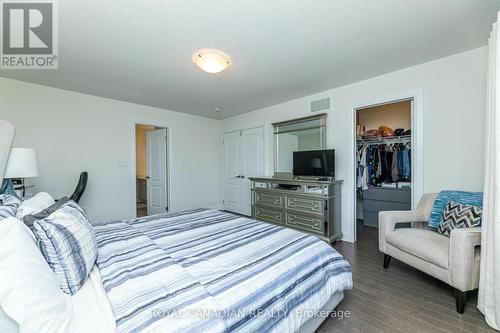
(211, 271)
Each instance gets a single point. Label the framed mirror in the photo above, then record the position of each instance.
(300, 134)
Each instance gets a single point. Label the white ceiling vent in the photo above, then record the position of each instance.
(320, 105)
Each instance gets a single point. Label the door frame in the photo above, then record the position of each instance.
(223, 155)
(133, 176)
(417, 141)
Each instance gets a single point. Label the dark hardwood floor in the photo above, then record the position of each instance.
(142, 211)
(397, 299)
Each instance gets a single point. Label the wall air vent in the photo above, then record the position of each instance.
(320, 105)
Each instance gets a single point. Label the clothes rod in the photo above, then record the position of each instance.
(378, 141)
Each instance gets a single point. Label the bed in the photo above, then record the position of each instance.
(200, 271)
(210, 271)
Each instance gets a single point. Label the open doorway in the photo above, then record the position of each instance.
(384, 161)
(151, 165)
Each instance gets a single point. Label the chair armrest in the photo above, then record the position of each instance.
(464, 266)
(388, 220)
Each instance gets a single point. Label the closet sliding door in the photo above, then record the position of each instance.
(243, 158)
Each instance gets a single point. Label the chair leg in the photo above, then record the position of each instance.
(387, 260)
(460, 298)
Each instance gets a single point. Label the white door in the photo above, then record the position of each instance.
(243, 158)
(232, 172)
(253, 163)
(157, 171)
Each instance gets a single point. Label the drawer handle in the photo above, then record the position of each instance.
(316, 225)
(277, 201)
(277, 217)
(316, 206)
(291, 202)
(291, 218)
(259, 211)
(257, 197)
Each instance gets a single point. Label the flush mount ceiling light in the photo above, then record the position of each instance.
(211, 61)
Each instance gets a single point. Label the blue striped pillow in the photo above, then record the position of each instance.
(67, 241)
(444, 197)
(8, 206)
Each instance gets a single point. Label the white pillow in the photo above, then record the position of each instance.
(29, 291)
(7, 325)
(67, 241)
(34, 205)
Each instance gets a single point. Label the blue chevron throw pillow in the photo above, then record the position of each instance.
(462, 197)
(457, 216)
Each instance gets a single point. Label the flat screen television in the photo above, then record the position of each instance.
(319, 163)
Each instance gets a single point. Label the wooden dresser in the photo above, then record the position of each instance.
(307, 205)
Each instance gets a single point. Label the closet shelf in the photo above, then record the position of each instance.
(378, 141)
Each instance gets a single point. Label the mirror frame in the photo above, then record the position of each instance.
(322, 126)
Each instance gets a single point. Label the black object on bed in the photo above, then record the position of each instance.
(80, 187)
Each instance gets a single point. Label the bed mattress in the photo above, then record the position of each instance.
(212, 271)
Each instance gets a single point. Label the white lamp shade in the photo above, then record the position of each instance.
(22, 163)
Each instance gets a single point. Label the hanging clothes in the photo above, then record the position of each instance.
(362, 169)
(394, 167)
(406, 164)
(381, 163)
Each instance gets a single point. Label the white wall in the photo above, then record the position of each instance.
(454, 93)
(73, 132)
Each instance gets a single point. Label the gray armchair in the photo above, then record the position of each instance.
(454, 260)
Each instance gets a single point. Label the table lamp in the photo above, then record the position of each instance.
(21, 164)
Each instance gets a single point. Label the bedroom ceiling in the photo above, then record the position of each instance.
(141, 51)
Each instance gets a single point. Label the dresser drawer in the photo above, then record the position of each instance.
(305, 205)
(305, 222)
(268, 214)
(388, 194)
(377, 205)
(274, 200)
(370, 219)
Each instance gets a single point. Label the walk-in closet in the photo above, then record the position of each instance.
(384, 160)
